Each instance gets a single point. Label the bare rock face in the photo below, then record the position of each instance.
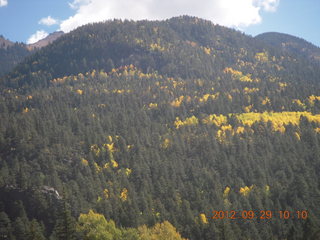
(47, 40)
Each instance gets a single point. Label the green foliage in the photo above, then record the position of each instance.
(94, 226)
(12, 55)
(65, 225)
(161, 231)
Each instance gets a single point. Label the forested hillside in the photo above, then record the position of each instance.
(291, 44)
(160, 130)
(11, 54)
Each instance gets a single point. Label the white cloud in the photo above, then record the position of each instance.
(269, 5)
(37, 36)
(231, 13)
(48, 21)
(3, 3)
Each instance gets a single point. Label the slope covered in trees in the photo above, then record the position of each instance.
(291, 44)
(11, 54)
(135, 127)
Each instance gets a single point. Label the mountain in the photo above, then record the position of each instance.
(104, 46)
(46, 41)
(150, 129)
(4, 43)
(11, 54)
(291, 44)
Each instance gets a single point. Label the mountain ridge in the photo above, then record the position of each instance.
(291, 44)
(99, 46)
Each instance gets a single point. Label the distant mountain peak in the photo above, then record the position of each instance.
(46, 41)
(4, 43)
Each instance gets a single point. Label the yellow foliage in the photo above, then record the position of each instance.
(247, 90)
(93, 73)
(79, 91)
(217, 120)
(247, 109)
(160, 231)
(221, 133)
(240, 130)
(199, 82)
(191, 121)
(177, 102)
(95, 149)
(317, 130)
(124, 194)
(245, 78)
(262, 56)
(80, 76)
(119, 91)
(238, 75)
(266, 101)
(193, 44)
(157, 47)
(106, 193)
(114, 163)
(299, 103)
(282, 85)
(97, 167)
(313, 98)
(234, 73)
(226, 192)
(94, 226)
(138, 41)
(278, 119)
(204, 98)
(166, 143)
(267, 189)
(153, 105)
(84, 162)
(245, 190)
(226, 128)
(25, 110)
(229, 97)
(128, 171)
(203, 218)
(207, 50)
(103, 74)
(110, 147)
(297, 135)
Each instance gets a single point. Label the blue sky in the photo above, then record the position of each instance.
(31, 20)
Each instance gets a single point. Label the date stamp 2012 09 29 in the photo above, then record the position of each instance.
(261, 214)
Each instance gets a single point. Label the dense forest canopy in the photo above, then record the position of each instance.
(11, 54)
(176, 129)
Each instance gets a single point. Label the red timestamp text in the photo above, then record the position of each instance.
(261, 214)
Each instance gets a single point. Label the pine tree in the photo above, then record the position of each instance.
(36, 232)
(65, 225)
(5, 227)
